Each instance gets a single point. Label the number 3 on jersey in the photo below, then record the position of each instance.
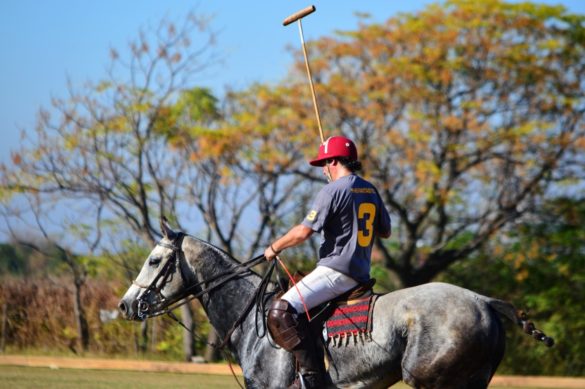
(367, 213)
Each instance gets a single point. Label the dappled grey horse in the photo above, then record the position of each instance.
(435, 335)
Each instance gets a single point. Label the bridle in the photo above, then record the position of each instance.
(145, 309)
(161, 305)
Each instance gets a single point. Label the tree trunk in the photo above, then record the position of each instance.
(142, 340)
(4, 322)
(211, 353)
(80, 317)
(153, 333)
(435, 264)
(188, 340)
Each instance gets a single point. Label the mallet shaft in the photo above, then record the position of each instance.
(311, 82)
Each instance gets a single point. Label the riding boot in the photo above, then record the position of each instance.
(292, 332)
(311, 366)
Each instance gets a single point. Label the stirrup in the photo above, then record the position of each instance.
(302, 381)
(298, 383)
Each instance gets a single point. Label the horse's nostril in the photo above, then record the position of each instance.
(122, 307)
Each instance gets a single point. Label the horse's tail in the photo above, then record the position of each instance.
(520, 318)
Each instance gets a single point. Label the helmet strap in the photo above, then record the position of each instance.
(328, 173)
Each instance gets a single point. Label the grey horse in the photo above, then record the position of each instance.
(435, 335)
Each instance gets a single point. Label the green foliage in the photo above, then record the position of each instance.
(172, 344)
(199, 104)
(20, 260)
(12, 261)
(384, 280)
(541, 269)
(181, 121)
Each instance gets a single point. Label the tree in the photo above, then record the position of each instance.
(50, 250)
(103, 146)
(538, 265)
(467, 115)
(144, 143)
(237, 175)
(98, 157)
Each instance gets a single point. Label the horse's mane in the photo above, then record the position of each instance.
(218, 250)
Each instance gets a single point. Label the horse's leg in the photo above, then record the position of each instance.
(482, 379)
(446, 347)
(440, 368)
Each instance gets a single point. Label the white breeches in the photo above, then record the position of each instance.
(317, 287)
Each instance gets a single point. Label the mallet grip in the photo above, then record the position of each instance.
(299, 15)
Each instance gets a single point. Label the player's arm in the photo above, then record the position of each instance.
(296, 235)
(384, 229)
(385, 234)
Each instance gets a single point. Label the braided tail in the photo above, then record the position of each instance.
(521, 319)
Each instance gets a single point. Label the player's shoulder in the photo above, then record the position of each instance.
(349, 184)
(343, 184)
(361, 185)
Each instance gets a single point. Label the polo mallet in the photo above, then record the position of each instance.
(296, 17)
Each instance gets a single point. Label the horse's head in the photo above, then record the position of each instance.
(160, 281)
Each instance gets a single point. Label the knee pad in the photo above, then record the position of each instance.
(284, 326)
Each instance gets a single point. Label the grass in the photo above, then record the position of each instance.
(60, 353)
(17, 377)
(12, 377)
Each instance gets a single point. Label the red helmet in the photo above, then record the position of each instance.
(335, 147)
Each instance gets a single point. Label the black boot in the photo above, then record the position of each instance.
(311, 366)
(292, 332)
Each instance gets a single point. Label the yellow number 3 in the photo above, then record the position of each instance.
(367, 211)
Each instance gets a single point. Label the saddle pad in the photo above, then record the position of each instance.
(354, 318)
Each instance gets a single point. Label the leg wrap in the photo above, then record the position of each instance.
(284, 325)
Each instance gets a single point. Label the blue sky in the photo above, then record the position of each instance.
(43, 43)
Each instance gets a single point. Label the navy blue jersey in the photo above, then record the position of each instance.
(348, 212)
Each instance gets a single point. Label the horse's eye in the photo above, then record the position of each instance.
(154, 261)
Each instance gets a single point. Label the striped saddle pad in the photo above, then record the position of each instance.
(351, 319)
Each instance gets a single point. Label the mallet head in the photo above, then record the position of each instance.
(299, 15)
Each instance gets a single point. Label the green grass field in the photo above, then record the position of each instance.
(16, 377)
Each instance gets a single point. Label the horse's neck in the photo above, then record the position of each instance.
(224, 304)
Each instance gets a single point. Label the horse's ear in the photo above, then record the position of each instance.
(166, 230)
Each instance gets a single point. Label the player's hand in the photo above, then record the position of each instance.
(270, 253)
